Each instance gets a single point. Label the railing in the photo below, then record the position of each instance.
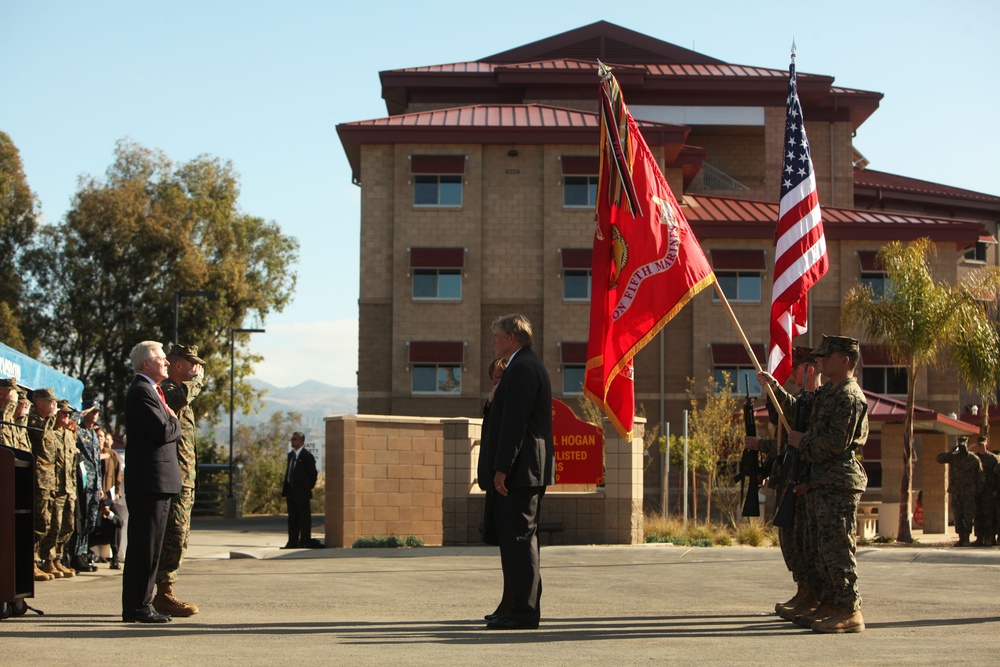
(213, 489)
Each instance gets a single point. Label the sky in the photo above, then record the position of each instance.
(264, 84)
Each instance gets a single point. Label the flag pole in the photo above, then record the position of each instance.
(753, 357)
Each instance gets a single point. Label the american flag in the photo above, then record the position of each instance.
(800, 258)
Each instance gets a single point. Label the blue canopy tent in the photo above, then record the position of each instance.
(36, 375)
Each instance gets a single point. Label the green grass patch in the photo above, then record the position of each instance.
(391, 541)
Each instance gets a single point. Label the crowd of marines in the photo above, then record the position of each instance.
(78, 482)
(974, 486)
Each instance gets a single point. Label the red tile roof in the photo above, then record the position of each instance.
(727, 217)
(870, 178)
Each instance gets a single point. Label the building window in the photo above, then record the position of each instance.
(437, 273)
(889, 380)
(739, 274)
(880, 374)
(732, 359)
(576, 263)
(873, 274)
(580, 175)
(976, 253)
(437, 180)
(437, 284)
(878, 283)
(579, 191)
(436, 367)
(436, 379)
(574, 365)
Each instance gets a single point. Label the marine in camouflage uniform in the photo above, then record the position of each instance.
(838, 429)
(89, 495)
(182, 386)
(46, 447)
(21, 440)
(66, 469)
(985, 522)
(792, 538)
(8, 404)
(965, 474)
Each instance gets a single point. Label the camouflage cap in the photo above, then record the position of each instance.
(22, 394)
(801, 355)
(8, 383)
(186, 352)
(962, 440)
(64, 406)
(833, 344)
(46, 393)
(90, 406)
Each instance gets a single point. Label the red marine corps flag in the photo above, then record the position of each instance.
(647, 263)
(800, 258)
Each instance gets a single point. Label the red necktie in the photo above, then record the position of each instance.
(159, 390)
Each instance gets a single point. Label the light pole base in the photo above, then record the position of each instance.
(229, 509)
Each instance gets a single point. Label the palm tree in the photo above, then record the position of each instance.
(914, 320)
(976, 352)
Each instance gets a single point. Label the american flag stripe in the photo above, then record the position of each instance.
(800, 246)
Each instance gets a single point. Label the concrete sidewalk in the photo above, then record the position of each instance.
(602, 605)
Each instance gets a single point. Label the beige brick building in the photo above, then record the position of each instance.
(477, 200)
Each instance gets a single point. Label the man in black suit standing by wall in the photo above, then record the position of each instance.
(152, 477)
(300, 478)
(521, 461)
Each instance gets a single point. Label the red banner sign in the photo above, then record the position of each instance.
(579, 447)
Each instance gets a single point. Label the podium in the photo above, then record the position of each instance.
(17, 531)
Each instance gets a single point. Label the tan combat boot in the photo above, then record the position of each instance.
(840, 621)
(166, 603)
(806, 620)
(806, 604)
(42, 576)
(49, 567)
(792, 602)
(67, 571)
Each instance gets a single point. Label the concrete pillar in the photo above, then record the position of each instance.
(623, 487)
(934, 484)
(461, 458)
(892, 476)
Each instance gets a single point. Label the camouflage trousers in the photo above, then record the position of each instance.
(175, 540)
(53, 523)
(836, 544)
(986, 516)
(792, 540)
(963, 505)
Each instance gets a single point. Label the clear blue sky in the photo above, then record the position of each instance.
(265, 83)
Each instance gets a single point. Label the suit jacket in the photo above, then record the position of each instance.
(519, 428)
(151, 441)
(303, 475)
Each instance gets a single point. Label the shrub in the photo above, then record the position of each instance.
(391, 541)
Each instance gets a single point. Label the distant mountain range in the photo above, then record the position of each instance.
(312, 399)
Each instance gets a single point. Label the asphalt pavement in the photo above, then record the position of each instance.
(621, 605)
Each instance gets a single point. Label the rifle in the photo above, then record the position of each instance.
(749, 471)
(785, 516)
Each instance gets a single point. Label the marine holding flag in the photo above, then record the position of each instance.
(646, 263)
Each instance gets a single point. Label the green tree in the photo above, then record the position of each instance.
(107, 275)
(914, 321)
(18, 222)
(263, 452)
(717, 442)
(976, 349)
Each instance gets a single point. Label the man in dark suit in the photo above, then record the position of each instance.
(152, 477)
(300, 478)
(521, 463)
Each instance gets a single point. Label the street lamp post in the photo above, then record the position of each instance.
(230, 506)
(207, 293)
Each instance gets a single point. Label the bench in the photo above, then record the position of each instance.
(867, 520)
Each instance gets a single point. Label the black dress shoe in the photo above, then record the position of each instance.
(115, 565)
(292, 545)
(313, 544)
(512, 623)
(148, 617)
